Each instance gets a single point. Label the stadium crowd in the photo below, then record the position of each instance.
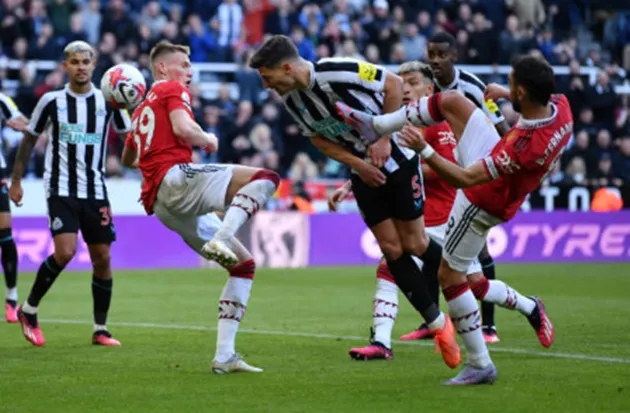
(255, 130)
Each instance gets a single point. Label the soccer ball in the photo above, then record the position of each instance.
(123, 86)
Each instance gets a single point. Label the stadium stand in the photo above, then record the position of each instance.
(588, 43)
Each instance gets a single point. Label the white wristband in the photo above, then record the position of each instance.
(427, 152)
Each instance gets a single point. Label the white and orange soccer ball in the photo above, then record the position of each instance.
(123, 86)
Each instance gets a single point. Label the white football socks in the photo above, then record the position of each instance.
(384, 311)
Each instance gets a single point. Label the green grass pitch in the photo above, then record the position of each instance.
(299, 326)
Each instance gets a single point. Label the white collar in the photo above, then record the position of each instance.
(80, 95)
(538, 123)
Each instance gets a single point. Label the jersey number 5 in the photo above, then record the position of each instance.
(144, 127)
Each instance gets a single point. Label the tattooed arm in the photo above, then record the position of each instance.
(21, 161)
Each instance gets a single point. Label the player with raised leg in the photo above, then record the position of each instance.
(184, 196)
(385, 177)
(78, 121)
(442, 56)
(497, 175)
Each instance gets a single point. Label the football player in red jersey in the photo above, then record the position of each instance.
(184, 196)
(496, 176)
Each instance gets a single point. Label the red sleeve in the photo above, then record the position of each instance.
(442, 139)
(176, 96)
(130, 141)
(513, 155)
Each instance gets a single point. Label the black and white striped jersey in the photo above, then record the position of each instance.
(77, 125)
(8, 111)
(473, 88)
(357, 84)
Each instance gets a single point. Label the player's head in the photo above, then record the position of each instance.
(531, 82)
(278, 63)
(442, 55)
(79, 62)
(171, 62)
(417, 80)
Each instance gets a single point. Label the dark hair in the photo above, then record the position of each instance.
(277, 49)
(443, 37)
(535, 75)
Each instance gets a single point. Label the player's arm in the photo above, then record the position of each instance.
(23, 156)
(452, 173)
(10, 112)
(492, 94)
(121, 122)
(39, 122)
(393, 93)
(185, 127)
(130, 152)
(337, 152)
(490, 107)
(370, 174)
(427, 172)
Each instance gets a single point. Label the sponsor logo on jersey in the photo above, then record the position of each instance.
(74, 134)
(506, 164)
(367, 71)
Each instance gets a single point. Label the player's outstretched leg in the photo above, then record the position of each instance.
(247, 193)
(488, 328)
(503, 295)
(102, 286)
(384, 312)
(9, 265)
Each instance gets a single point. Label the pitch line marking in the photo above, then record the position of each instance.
(510, 350)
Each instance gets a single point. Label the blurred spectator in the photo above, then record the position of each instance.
(252, 125)
(603, 100)
(116, 21)
(413, 42)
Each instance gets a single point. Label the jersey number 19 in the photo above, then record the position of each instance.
(144, 127)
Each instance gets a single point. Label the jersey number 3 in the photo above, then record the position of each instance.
(144, 127)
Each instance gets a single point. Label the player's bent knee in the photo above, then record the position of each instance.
(479, 285)
(268, 175)
(474, 278)
(416, 245)
(449, 276)
(391, 250)
(64, 255)
(102, 264)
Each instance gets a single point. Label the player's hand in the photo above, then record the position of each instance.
(380, 151)
(213, 143)
(495, 92)
(412, 138)
(19, 124)
(371, 175)
(337, 197)
(16, 193)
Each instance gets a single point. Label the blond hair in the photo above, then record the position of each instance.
(416, 67)
(163, 48)
(78, 46)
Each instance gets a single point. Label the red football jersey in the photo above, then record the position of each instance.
(522, 159)
(153, 138)
(440, 195)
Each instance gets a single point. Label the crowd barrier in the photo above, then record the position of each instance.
(293, 240)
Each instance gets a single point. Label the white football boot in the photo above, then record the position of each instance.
(234, 365)
(219, 251)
